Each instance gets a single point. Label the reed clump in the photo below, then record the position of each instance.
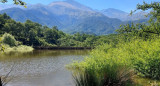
(116, 65)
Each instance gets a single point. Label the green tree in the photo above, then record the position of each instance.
(146, 30)
(155, 7)
(51, 36)
(17, 2)
(9, 39)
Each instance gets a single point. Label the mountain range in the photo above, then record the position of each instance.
(71, 17)
(123, 16)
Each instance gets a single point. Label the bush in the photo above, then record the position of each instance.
(102, 68)
(145, 57)
(114, 65)
(20, 48)
(111, 77)
(9, 39)
(1, 47)
(142, 56)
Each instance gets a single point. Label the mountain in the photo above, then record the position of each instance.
(38, 16)
(97, 25)
(70, 16)
(123, 16)
(6, 6)
(70, 4)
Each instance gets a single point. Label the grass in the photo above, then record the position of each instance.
(20, 48)
(102, 69)
(122, 78)
(141, 81)
(117, 65)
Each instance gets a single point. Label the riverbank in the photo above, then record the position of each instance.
(20, 48)
(62, 48)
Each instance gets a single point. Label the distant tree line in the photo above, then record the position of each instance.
(34, 34)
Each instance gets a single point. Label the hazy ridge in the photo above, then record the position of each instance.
(71, 16)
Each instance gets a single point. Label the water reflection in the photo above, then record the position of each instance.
(40, 68)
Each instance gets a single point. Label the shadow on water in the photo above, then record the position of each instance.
(41, 53)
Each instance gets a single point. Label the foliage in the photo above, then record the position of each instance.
(9, 44)
(145, 57)
(17, 2)
(145, 31)
(144, 52)
(34, 34)
(104, 67)
(1, 47)
(9, 39)
(155, 13)
(20, 48)
(142, 55)
(115, 65)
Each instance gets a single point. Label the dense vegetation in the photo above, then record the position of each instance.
(135, 53)
(34, 34)
(9, 44)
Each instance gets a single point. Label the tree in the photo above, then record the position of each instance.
(51, 36)
(9, 39)
(17, 2)
(155, 10)
(146, 30)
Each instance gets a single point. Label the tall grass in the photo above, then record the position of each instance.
(102, 68)
(20, 48)
(121, 77)
(115, 65)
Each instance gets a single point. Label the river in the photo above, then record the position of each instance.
(40, 67)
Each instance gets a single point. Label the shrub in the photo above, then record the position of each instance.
(1, 47)
(111, 77)
(20, 48)
(9, 39)
(142, 56)
(102, 68)
(114, 65)
(145, 56)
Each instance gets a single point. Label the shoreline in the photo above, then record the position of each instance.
(62, 48)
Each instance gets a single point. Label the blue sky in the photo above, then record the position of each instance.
(125, 5)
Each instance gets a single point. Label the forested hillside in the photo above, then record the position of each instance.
(69, 16)
(34, 34)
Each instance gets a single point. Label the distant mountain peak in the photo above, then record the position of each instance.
(61, 3)
(71, 16)
(73, 2)
(113, 10)
(70, 4)
(124, 16)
